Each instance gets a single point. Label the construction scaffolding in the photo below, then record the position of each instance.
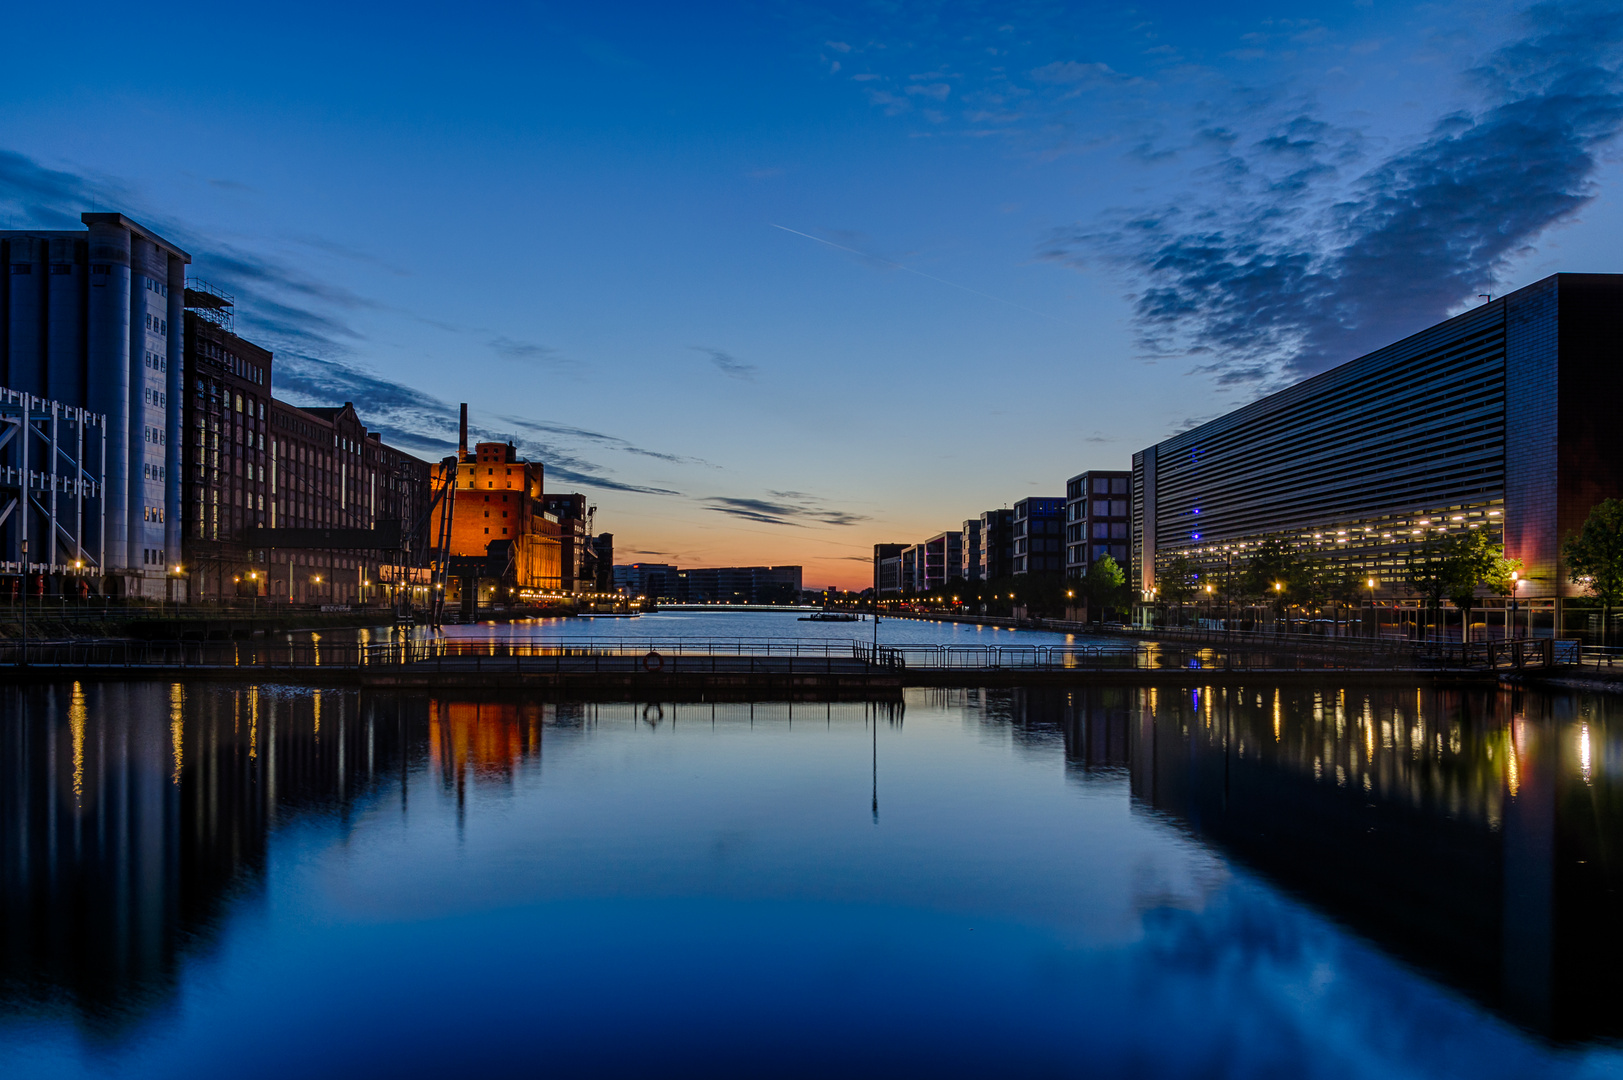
(53, 465)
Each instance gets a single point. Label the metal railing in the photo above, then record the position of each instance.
(535, 655)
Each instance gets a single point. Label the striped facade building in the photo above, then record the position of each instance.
(1503, 418)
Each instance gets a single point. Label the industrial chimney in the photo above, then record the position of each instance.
(462, 435)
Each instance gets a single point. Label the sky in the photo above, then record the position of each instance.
(775, 282)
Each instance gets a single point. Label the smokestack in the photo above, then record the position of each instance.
(462, 433)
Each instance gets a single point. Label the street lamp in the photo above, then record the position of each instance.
(1279, 590)
(1515, 591)
(25, 604)
(1371, 584)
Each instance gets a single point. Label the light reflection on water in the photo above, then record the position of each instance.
(1153, 882)
(725, 626)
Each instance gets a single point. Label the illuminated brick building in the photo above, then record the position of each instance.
(503, 543)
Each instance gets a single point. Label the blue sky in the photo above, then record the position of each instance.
(774, 282)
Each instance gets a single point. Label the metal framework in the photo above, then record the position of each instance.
(53, 466)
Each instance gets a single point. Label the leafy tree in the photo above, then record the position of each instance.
(1271, 565)
(1594, 558)
(1470, 557)
(1451, 568)
(1105, 585)
(1502, 579)
(1178, 582)
(1427, 571)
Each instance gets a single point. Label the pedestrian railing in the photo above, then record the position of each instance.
(537, 655)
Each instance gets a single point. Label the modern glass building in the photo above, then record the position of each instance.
(1502, 418)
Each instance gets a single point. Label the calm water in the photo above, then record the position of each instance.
(723, 626)
(1330, 881)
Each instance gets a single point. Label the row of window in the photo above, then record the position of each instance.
(157, 360)
(153, 285)
(160, 326)
(156, 435)
(152, 472)
(152, 513)
(157, 398)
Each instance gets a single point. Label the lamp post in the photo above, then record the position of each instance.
(1515, 596)
(25, 604)
(253, 579)
(1279, 590)
(1371, 584)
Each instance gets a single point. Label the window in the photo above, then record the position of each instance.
(1101, 486)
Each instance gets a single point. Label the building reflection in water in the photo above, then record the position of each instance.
(1469, 832)
(131, 813)
(1473, 833)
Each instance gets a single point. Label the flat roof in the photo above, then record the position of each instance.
(112, 218)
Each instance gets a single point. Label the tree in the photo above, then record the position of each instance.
(1427, 574)
(1105, 585)
(1502, 579)
(1267, 572)
(1594, 558)
(1451, 568)
(1470, 557)
(1178, 582)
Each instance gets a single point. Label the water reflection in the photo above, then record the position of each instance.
(1469, 833)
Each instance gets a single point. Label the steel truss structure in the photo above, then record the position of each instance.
(53, 468)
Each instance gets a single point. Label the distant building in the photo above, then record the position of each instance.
(603, 553)
(504, 547)
(1039, 531)
(997, 544)
(1097, 519)
(969, 548)
(656, 581)
(887, 568)
(742, 585)
(576, 572)
(913, 568)
(943, 553)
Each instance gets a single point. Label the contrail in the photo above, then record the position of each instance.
(919, 273)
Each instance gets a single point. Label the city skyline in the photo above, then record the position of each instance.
(930, 266)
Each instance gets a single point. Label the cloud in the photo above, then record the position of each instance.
(529, 352)
(789, 508)
(726, 363)
(1287, 268)
(303, 319)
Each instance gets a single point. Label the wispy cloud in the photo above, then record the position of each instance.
(1288, 268)
(532, 353)
(727, 363)
(306, 321)
(795, 509)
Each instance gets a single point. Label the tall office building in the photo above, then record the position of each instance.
(1038, 529)
(969, 550)
(1097, 519)
(92, 319)
(887, 568)
(997, 544)
(1502, 418)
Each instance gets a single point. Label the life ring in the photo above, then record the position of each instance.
(653, 662)
(658, 709)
